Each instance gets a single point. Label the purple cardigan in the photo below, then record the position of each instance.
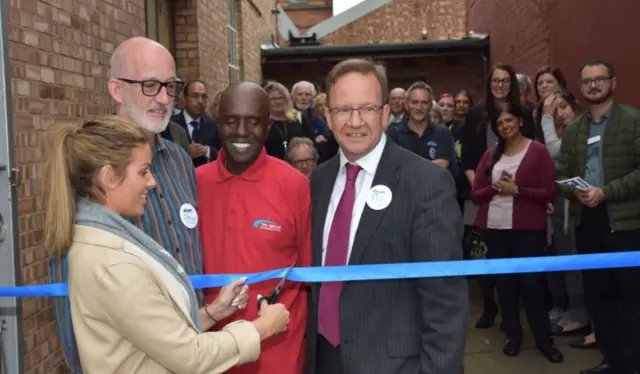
(536, 186)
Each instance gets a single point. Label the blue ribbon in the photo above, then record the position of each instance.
(389, 271)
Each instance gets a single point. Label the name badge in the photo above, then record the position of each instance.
(379, 197)
(189, 216)
(594, 139)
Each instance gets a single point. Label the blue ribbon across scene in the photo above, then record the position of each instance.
(389, 271)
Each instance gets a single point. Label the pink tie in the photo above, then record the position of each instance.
(337, 250)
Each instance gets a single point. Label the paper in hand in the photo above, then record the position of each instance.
(575, 182)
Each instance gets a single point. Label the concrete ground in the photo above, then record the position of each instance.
(484, 350)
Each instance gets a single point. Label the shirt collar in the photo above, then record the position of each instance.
(604, 117)
(405, 126)
(160, 144)
(369, 162)
(253, 174)
(188, 119)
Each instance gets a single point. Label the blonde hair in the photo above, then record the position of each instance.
(76, 154)
(360, 66)
(213, 106)
(320, 99)
(290, 114)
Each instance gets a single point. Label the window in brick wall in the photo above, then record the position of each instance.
(160, 22)
(234, 55)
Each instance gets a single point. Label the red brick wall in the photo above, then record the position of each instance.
(59, 58)
(202, 39)
(257, 25)
(400, 20)
(565, 33)
(444, 74)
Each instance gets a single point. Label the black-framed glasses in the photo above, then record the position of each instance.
(152, 87)
(599, 81)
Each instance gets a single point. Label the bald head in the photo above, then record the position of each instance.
(132, 53)
(236, 91)
(143, 83)
(396, 100)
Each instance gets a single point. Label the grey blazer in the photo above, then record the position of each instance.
(397, 326)
(179, 135)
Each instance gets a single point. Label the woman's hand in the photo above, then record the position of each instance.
(273, 319)
(232, 297)
(550, 209)
(549, 106)
(505, 188)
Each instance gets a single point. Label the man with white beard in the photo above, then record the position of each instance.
(143, 83)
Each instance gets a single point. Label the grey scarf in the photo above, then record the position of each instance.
(95, 215)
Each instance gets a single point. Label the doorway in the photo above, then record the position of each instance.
(10, 317)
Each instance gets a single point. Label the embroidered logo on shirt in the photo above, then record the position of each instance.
(265, 224)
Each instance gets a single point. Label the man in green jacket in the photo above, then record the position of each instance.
(603, 147)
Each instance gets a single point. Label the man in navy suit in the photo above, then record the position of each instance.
(201, 128)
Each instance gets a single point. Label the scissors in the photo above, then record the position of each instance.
(271, 299)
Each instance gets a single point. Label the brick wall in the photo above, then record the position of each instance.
(59, 56)
(202, 39)
(443, 73)
(257, 24)
(563, 33)
(404, 20)
(398, 21)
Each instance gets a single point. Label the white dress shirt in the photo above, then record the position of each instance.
(188, 119)
(369, 164)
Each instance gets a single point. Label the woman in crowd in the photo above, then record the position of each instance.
(463, 102)
(558, 111)
(286, 122)
(477, 136)
(548, 80)
(514, 183)
(435, 113)
(133, 308)
(447, 104)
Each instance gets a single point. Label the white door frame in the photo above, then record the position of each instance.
(10, 315)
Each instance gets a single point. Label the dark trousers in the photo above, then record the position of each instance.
(328, 358)
(612, 295)
(532, 287)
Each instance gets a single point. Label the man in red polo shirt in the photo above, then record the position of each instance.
(255, 215)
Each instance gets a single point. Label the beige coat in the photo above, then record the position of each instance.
(131, 318)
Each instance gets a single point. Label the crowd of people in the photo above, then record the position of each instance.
(257, 178)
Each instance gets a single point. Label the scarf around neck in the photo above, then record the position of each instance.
(97, 216)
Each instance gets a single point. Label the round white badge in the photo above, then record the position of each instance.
(189, 216)
(432, 153)
(379, 197)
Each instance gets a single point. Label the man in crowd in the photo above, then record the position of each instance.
(303, 93)
(378, 203)
(417, 134)
(396, 104)
(302, 155)
(201, 128)
(143, 83)
(607, 213)
(255, 216)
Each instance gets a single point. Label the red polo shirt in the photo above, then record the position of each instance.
(257, 221)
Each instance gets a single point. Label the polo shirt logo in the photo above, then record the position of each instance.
(267, 225)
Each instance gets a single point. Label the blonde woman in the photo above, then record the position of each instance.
(213, 105)
(286, 122)
(133, 308)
